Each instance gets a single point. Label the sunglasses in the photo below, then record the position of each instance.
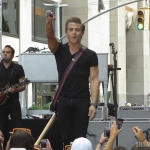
(24, 129)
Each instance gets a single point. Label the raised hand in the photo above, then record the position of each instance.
(138, 133)
(50, 18)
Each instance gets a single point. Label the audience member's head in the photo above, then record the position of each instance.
(21, 139)
(120, 148)
(81, 144)
(140, 147)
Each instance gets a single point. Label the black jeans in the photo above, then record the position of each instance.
(73, 117)
(12, 108)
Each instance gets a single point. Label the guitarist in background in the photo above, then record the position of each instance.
(10, 74)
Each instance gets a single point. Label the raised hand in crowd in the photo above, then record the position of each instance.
(114, 131)
(48, 145)
(140, 135)
(102, 140)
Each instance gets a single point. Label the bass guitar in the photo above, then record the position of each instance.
(4, 91)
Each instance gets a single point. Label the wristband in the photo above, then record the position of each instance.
(143, 140)
(94, 104)
(100, 143)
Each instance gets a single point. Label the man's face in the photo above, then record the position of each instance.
(7, 54)
(74, 32)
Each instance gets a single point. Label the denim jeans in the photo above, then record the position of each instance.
(73, 117)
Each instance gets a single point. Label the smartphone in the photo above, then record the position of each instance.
(43, 144)
(107, 132)
(119, 123)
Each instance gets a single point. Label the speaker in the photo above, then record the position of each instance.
(102, 112)
(134, 112)
(37, 126)
(95, 129)
(126, 138)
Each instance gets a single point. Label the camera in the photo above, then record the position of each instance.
(119, 123)
(107, 132)
(43, 144)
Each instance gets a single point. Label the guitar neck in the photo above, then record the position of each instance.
(25, 82)
(14, 87)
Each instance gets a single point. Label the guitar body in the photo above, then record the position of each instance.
(3, 97)
(4, 94)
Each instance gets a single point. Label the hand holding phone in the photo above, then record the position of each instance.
(107, 132)
(119, 123)
(43, 144)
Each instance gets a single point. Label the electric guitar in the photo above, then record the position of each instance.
(4, 91)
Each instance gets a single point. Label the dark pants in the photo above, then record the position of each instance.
(73, 117)
(12, 108)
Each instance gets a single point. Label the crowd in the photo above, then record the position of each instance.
(22, 139)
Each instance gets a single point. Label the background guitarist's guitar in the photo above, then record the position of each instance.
(4, 91)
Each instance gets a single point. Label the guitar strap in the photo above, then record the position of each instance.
(9, 81)
(66, 73)
(11, 75)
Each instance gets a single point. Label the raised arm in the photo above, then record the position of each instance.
(114, 131)
(52, 40)
(140, 135)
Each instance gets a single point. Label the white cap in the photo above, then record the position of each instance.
(81, 144)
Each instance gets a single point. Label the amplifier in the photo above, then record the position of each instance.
(134, 112)
(102, 112)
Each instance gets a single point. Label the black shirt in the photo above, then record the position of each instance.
(11, 75)
(77, 82)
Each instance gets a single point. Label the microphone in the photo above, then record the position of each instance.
(49, 13)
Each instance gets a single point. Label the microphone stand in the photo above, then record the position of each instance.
(114, 84)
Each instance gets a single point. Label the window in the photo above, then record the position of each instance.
(38, 19)
(10, 17)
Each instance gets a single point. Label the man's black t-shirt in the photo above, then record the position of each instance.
(77, 82)
(11, 75)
